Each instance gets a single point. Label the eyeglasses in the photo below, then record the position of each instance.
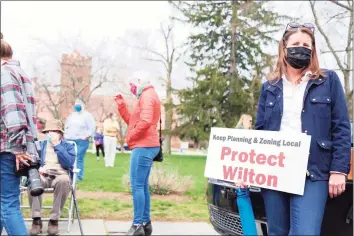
(293, 26)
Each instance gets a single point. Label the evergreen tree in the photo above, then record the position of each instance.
(227, 58)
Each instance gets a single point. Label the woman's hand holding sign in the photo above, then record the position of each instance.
(336, 184)
(241, 184)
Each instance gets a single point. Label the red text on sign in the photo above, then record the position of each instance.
(248, 176)
(253, 158)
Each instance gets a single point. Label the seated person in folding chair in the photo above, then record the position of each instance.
(57, 160)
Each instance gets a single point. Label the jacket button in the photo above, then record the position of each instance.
(314, 99)
(323, 144)
(311, 176)
(328, 99)
(303, 110)
(320, 79)
(305, 130)
(270, 103)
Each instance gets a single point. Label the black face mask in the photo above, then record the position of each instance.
(298, 57)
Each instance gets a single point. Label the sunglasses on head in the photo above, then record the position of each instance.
(293, 26)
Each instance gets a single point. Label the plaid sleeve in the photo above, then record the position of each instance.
(12, 112)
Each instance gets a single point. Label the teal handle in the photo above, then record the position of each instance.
(245, 209)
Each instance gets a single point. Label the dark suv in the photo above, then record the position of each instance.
(338, 218)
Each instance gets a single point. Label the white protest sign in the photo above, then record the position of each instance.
(266, 159)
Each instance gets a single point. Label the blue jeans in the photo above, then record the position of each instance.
(82, 146)
(289, 214)
(11, 215)
(140, 167)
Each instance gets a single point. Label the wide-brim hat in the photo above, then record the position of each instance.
(53, 125)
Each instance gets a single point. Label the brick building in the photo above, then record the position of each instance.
(75, 79)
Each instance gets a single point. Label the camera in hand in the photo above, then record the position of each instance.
(33, 179)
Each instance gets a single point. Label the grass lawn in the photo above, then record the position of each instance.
(102, 194)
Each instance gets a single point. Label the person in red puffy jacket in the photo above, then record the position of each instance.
(143, 139)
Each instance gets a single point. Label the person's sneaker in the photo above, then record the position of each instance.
(97, 158)
(53, 227)
(136, 230)
(148, 228)
(37, 226)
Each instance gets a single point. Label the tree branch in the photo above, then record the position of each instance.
(163, 79)
(341, 5)
(345, 70)
(51, 104)
(166, 36)
(153, 52)
(157, 60)
(325, 36)
(103, 79)
(343, 50)
(338, 16)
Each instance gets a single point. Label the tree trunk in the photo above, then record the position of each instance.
(348, 63)
(233, 61)
(345, 66)
(349, 93)
(168, 115)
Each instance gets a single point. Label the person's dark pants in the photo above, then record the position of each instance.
(82, 146)
(289, 214)
(140, 167)
(11, 215)
(98, 148)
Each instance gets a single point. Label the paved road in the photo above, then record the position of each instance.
(100, 227)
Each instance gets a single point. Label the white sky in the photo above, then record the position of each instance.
(115, 22)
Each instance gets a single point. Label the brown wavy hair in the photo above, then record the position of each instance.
(6, 50)
(282, 64)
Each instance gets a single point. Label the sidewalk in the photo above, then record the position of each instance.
(101, 227)
(164, 228)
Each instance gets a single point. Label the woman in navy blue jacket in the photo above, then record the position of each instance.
(301, 97)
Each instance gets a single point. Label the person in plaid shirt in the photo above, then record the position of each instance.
(16, 144)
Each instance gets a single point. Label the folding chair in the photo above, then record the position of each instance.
(70, 210)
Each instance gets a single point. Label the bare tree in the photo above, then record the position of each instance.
(345, 65)
(60, 96)
(79, 87)
(48, 98)
(348, 7)
(102, 108)
(80, 77)
(168, 58)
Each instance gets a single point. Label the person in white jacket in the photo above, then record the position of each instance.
(80, 126)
